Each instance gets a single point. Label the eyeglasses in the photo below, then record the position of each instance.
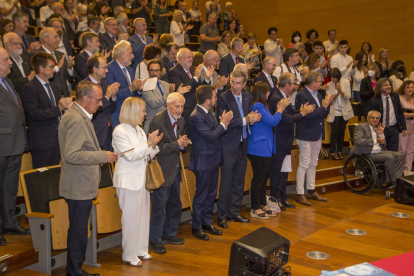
(154, 70)
(375, 118)
(98, 100)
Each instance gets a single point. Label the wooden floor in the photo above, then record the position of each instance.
(317, 228)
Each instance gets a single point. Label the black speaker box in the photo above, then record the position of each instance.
(404, 190)
(261, 252)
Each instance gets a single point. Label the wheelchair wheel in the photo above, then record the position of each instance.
(363, 178)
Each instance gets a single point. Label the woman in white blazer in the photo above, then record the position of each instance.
(340, 111)
(177, 30)
(129, 179)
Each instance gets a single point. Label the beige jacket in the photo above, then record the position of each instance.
(347, 111)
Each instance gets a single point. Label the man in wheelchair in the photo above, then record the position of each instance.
(369, 140)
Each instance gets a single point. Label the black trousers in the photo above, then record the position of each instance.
(107, 145)
(392, 137)
(45, 158)
(9, 182)
(278, 179)
(79, 211)
(337, 134)
(261, 173)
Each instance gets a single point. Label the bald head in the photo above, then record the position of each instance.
(5, 63)
(185, 58)
(211, 58)
(58, 8)
(13, 44)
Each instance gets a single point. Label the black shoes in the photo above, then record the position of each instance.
(2, 240)
(157, 248)
(287, 204)
(282, 207)
(239, 219)
(172, 240)
(212, 230)
(19, 230)
(84, 273)
(222, 223)
(200, 234)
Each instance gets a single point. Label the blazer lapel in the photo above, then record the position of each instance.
(10, 96)
(42, 91)
(16, 69)
(312, 99)
(168, 125)
(88, 123)
(206, 116)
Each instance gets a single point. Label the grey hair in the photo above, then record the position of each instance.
(174, 97)
(312, 76)
(118, 10)
(44, 33)
(121, 18)
(109, 19)
(211, 15)
(238, 74)
(285, 78)
(138, 20)
(237, 41)
(49, 24)
(8, 36)
(85, 89)
(267, 60)
(373, 111)
(298, 45)
(120, 48)
(241, 67)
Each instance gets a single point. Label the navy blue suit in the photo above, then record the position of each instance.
(205, 158)
(115, 74)
(227, 64)
(107, 43)
(167, 65)
(262, 77)
(138, 48)
(80, 66)
(233, 170)
(283, 139)
(311, 128)
(29, 39)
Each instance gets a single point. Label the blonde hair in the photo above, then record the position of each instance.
(130, 111)
(176, 12)
(382, 50)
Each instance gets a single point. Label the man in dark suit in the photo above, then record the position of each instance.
(183, 75)
(13, 141)
(206, 156)
(65, 46)
(94, 24)
(102, 118)
(392, 115)
(43, 106)
(234, 143)
(64, 69)
(269, 65)
(284, 136)
(90, 45)
(165, 202)
(21, 25)
(170, 59)
(58, 9)
(139, 40)
(110, 38)
(309, 136)
(230, 60)
(21, 72)
(119, 70)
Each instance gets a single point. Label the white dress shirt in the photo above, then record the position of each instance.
(275, 51)
(19, 64)
(340, 61)
(393, 120)
(90, 116)
(376, 148)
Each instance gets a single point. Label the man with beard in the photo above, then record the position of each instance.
(21, 72)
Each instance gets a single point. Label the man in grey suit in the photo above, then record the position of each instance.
(13, 142)
(212, 58)
(80, 173)
(369, 139)
(166, 202)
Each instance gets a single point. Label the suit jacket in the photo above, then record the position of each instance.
(12, 123)
(15, 74)
(107, 43)
(138, 48)
(285, 130)
(169, 155)
(262, 77)
(130, 169)
(347, 112)
(68, 29)
(115, 74)
(363, 142)
(29, 39)
(178, 76)
(80, 172)
(42, 115)
(80, 65)
(213, 79)
(167, 65)
(156, 102)
(376, 104)
(227, 64)
(103, 115)
(68, 47)
(311, 128)
(60, 77)
(231, 139)
(206, 151)
(366, 92)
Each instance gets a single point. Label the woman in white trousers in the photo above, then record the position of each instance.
(129, 179)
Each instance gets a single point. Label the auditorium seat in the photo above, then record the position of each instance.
(192, 46)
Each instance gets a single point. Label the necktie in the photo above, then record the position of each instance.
(210, 115)
(126, 76)
(26, 44)
(173, 63)
(237, 60)
(189, 75)
(50, 94)
(270, 81)
(160, 87)
(113, 38)
(11, 92)
(241, 115)
(387, 112)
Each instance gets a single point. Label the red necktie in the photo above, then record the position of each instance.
(175, 124)
(189, 75)
(113, 38)
(237, 60)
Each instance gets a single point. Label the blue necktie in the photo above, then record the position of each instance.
(160, 87)
(241, 115)
(50, 94)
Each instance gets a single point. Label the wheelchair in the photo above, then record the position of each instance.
(366, 174)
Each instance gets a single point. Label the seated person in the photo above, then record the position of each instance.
(369, 139)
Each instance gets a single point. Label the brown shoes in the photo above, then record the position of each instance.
(302, 200)
(317, 197)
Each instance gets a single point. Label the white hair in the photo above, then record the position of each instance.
(121, 18)
(118, 10)
(44, 33)
(138, 20)
(373, 111)
(174, 97)
(120, 48)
